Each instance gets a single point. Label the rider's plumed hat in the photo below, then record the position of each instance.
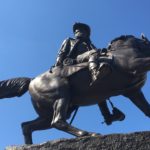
(84, 26)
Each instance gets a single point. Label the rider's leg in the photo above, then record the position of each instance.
(98, 71)
(85, 56)
(109, 117)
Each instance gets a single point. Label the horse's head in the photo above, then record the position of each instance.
(132, 54)
(140, 46)
(143, 46)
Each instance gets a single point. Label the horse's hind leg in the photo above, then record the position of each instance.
(138, 98)
(45, 113)
(41, 123)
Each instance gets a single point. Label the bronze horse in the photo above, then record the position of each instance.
(49, 91)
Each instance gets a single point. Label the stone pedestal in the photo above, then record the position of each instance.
(132, 141)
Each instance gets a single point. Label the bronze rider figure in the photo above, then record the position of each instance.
(81, 43)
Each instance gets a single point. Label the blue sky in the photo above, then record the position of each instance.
(31, 32)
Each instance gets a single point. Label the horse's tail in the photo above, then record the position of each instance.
(14, 87)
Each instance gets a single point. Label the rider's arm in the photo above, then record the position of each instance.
(64, 49)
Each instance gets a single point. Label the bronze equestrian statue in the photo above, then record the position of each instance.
(129, 58)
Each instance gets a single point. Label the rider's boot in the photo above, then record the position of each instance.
(98, 71)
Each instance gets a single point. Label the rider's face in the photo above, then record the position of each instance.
(81, 33)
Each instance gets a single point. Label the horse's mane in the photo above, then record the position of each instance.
(126, 41)
(129, 41)
(122, 37)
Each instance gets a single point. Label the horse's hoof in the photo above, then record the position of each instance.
(94, 134)
(83, 133)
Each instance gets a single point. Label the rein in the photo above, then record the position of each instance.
(115, 48)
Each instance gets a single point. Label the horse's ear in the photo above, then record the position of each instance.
(109, 46)
(144, 37)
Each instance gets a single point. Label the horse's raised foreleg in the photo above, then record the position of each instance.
(109, 117)
(105, 112)
(138, 98)
(41, 123)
